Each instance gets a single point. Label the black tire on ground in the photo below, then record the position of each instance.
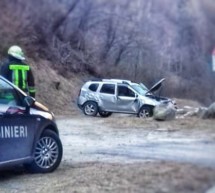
(104, 114)
(90, 108)
(145, 111)
(47, 153)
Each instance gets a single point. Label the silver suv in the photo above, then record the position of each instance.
(109, 96)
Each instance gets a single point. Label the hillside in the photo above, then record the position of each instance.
(68, 42)
(55, 91)
(60, 93)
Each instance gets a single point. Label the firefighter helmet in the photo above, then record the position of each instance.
(16, 52)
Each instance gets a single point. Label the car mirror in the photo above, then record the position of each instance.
(136, 97)
(29, 101)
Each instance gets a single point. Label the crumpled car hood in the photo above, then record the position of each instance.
(156, 86)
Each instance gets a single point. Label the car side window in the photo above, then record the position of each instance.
(7, 94)
(93, 87)
(108, 89)
(125, 91)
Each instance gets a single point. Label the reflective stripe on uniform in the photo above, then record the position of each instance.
(31, 89)
(16, 68)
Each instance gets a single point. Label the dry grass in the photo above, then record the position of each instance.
(148, 177)
(186, 102)
(186, 124)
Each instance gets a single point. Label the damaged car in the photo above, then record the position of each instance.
(28, 133)
(108, 96)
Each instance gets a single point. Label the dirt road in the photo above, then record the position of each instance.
(95, 139)
(126, 154)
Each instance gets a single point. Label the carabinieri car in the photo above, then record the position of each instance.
(28, 132)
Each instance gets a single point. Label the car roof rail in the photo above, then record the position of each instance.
(126, 82)
(96, 79)
(117, 81)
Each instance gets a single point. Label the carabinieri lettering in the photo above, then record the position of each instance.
(13, 132)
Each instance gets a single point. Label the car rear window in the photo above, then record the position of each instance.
(93, 87)
(108, 89)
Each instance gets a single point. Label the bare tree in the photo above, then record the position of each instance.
(138, 40)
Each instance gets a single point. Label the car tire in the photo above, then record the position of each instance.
(90, 108)
(105, 114)
(48, 153)
(145, 112)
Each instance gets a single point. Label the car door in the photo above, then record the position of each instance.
(16, 136)
(126, 100)
(17, 128)
(107, 97)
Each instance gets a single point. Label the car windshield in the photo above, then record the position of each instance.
(140, 88)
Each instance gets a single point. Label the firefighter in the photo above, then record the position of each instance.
(16, 71)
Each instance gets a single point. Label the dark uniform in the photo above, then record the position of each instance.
(19, 74)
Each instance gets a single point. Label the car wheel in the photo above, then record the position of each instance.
(105, 114)
(145, 112)
(47, 153)
(90, 108)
